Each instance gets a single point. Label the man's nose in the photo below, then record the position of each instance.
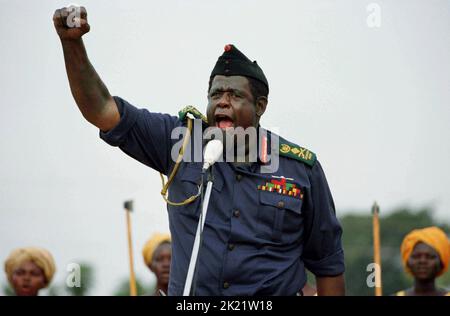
(224, 101)
(166, 263)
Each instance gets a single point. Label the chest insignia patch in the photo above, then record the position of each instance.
(281, 185)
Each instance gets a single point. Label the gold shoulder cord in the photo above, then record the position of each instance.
(175, 169)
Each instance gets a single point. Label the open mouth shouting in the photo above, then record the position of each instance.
(223, 120)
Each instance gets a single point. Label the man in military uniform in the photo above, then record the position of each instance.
(262, 229)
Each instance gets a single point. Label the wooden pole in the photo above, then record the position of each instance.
(128, 208)
(376, 249)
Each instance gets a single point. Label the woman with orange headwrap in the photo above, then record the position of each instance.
(425, 255)
(157, 254)
(29, 270)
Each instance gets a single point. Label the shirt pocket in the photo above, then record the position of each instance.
(188, 185)
(279, 217)
(184, 186)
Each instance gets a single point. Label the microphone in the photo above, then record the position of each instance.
(213, 152)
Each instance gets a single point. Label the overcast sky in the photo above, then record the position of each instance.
(372, 102)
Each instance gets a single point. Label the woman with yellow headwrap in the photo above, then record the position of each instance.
(157, 254)
(425, 255)
(29, 270)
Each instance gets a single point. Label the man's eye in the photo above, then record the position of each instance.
(237, 95)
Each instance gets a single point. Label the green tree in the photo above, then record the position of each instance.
(8, 291)
(86, 281)
(123, 289)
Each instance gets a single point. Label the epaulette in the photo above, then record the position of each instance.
(192, 110)
(291, 150)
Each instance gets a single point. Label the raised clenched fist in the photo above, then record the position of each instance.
(71, 22)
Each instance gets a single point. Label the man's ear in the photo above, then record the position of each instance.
(261, 104)
(150, 266)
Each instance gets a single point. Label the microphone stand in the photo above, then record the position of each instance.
(199, 234)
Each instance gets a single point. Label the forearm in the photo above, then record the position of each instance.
(330, 286)
(90, 93)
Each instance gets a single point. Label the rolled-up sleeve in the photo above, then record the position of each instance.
(322, 254)
(143, 135)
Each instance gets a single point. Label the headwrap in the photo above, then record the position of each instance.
(433, 237)
(41, 257)
(151, 245)
(234, 63)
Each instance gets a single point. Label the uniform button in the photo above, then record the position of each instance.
(226, 285)
(227, 61)
(227, 70)
(238, 177)
(230, 247)
(280, 205)
(236, 213)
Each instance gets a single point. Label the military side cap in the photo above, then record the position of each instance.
(234, 63)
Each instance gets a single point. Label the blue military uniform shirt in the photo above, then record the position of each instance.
(255, 241)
